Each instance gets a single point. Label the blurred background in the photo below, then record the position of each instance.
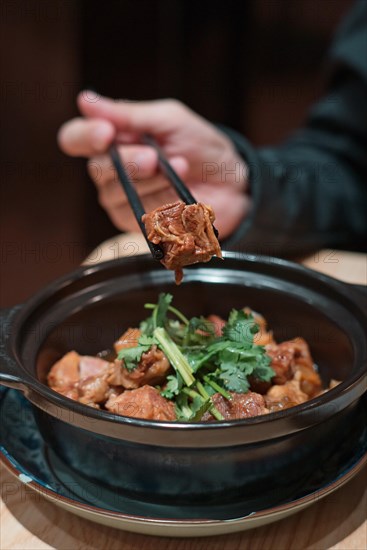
(255, 65)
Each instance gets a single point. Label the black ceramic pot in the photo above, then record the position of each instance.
(88, 309)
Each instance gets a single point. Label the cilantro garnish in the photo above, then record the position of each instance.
(132, 356)
(203, 363)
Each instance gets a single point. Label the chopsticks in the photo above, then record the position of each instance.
(133, 197)
(134, 200)
(169, 172)
(171, 175)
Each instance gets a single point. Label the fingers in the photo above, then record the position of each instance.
(140, 162)
(80, 137)
(122, 216)
(158, 116)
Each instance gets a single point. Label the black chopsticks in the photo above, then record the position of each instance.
(169, 172)
(133, 197)
(134, 200)
(171, 175)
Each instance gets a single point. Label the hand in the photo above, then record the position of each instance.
(204, 157)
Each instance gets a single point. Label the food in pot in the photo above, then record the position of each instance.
(200, 369)
(185, 233)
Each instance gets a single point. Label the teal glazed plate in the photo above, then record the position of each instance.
(25, 454)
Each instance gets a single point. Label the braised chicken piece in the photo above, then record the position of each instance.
(92, 367)
(93, 390)
(92, 385)
(87, 379)
(129, 339)
(284, 396)
(145, 402)
(152, 369)
(241, 405)
(185, 233)
(293, 359)
(282, 360)
(305, 370)
(64, 373)
(81, 378)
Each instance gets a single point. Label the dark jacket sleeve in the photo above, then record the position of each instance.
(311, 191)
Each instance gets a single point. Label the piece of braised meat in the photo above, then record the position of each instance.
(92, 366)
(129, 339)
(284, 396)
(152, 369)
(292, 359)
(64, 374)
(81, 378)
(145, 402)
(241, 405)
(93, 390)
(185, 233)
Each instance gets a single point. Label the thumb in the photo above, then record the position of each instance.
(143, 116)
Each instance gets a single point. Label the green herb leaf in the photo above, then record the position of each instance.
(234, 379)
(173, 386)
(199, 331)
(191, 406)
(240, 327)
(132, 356)
(159, 315)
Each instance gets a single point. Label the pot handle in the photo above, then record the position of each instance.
(10, 374)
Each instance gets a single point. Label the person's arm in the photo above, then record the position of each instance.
(311, 191)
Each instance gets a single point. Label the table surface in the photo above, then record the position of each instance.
(339, 521)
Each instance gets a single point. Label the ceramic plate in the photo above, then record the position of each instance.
(25, 454)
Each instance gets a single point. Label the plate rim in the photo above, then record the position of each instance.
(183, 527)
(163, 526)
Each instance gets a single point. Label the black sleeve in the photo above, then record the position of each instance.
(311, 191)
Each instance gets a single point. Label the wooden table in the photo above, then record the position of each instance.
(27, 521)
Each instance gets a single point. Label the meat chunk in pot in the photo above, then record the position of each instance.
(80, 377)
(241, 405)
(293, 359)
(92, 367)
(152, 369)
(129, 339)
(284, 396)
(64, 374)
(93, 390)
(185, 233)
(282, 360)
(145, 402)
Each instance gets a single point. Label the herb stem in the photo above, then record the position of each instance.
(173, 310)
(216, 387)
(174, 355)
(178, 314)
(191, 393)
(202, 390)
(214, 411)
